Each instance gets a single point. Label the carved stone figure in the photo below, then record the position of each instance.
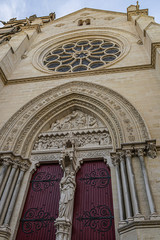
(67, 188)
(56, 125)
(81, 139)
(76, 120)
(93, 122)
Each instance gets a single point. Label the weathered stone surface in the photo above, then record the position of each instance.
(97, 110)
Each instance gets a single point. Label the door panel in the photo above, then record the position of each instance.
(93, 208)
(41, 207)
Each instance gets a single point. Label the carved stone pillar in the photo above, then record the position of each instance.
(5, 164)
(115, 161)
(11, 189)
(146, 182)
(125, 187)
(132, 186)
(7, 187)
(14, 196)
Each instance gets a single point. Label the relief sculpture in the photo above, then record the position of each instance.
(100, 138)
(86, 130)
(75, 120)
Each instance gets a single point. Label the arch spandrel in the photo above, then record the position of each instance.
(121, 118)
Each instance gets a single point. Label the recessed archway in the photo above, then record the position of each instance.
(123, 121)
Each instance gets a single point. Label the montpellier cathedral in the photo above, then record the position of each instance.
(80, 126)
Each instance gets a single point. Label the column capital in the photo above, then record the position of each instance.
(15, 165)
(148, 147)
(115, 158)
(6, 161)
(9, 158)
(122, 155)
(151, 149)
(24, 165)
(63, 227)
(140, 152)
(128, 153)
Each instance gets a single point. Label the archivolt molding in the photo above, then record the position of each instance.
(122, 120)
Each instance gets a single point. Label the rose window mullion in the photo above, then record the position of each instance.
(82, 55)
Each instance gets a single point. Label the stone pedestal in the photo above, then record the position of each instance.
(63, 226)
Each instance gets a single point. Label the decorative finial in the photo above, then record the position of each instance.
(137, 6)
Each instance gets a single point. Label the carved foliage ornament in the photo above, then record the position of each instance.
(86, 130)
(125, 113)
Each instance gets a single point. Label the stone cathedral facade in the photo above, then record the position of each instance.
(80, 126)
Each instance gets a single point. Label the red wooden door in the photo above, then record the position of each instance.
(41, 207)
(93, 207)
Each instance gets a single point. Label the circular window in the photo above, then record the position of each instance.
(81, 55)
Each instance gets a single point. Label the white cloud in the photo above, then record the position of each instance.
(13, 8)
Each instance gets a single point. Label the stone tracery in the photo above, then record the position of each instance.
(82, 55)
(116, 111)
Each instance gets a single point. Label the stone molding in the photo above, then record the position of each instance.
(80, 155)
(118, 115)
(139, 225)
(147, 148)
(8, 158)
(102, 33)
(5, 232)
(78, 74)
(86, 73)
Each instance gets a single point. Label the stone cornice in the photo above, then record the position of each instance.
(148, 148)
(73, 75)
(49, 77)
(15, 159)
(86, 73)
(138, 225)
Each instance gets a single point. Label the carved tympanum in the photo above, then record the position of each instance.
(86, 131)
(76, 120)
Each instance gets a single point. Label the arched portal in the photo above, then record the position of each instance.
(122, 119)
(97, 111)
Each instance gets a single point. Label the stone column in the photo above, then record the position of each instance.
(125, 188)
(7, 187)
(5, 164)
(14, 197)
(146, 182)
(115, 160)
(131, 180)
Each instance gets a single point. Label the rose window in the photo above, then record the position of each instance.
(81, 55)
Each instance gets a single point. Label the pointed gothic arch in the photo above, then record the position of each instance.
(120, 117)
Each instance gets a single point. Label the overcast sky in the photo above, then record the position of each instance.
(25, 8)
